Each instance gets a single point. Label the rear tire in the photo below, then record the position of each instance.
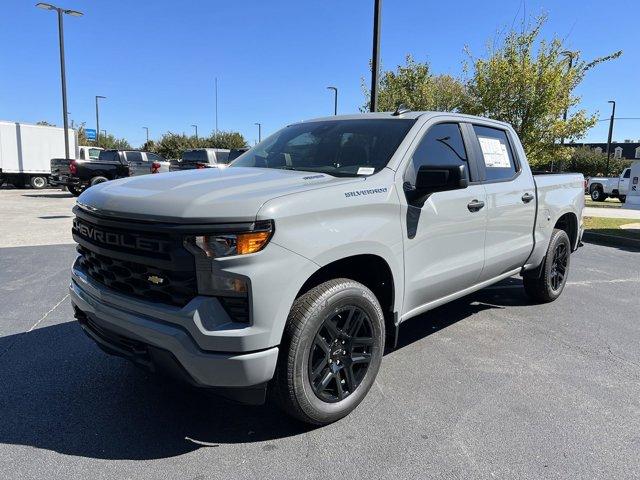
(97, 180)
(75, 191)
(38, 182)
(623, 198)
(555, 270)
(331, 351)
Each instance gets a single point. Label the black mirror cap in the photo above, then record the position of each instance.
(437, 178)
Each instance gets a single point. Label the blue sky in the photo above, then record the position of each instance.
(156, 61)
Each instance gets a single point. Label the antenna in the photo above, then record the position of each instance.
(400, 110)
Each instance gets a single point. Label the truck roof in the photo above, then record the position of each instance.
(405, 115)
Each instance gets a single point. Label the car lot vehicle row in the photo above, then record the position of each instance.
(77, 175)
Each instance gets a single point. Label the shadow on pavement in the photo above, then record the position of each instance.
(59, 392)
(49, 195)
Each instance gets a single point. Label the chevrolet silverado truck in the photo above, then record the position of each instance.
(290, 271)
(615, 187)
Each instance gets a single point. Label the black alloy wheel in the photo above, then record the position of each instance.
(340, 354)
(559, 267)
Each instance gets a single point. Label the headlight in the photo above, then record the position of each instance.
(237, 243)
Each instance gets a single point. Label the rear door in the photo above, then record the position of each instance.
(511, 203)
(444, 233)
(137, 163)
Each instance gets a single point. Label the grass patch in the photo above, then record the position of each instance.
(611, 226)
(608, 203)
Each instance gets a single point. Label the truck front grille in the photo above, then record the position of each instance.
(138, 280)
(136, 262)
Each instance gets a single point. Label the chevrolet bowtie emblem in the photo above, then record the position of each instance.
(156, 280)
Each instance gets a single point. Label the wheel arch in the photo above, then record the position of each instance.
(569, 223)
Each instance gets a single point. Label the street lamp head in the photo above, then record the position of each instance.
(100, 96)
(46, 6)
(332, 88)
(74, 13)
(612, 101)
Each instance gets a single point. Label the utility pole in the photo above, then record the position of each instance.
(335, 99)
(63, 75)
(375, 59)
(98, 120)
(196, 127)
(147, 129)
(259, 131)
(570, 55)
(613, 114)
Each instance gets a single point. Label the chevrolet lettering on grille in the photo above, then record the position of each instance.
(119, 239)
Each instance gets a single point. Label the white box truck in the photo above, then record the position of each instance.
(26, 152)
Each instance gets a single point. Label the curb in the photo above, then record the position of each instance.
(610, 240)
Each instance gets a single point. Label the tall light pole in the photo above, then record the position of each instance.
(216, 105)
(196, 127)
(147, 129)
(570, 55)
(335, 99)
(98, 120)
(259, 131)
(63, 75)
(613, 114)
(104, 133)
(375, 58)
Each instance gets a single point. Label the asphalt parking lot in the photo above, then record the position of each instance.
(489, 386)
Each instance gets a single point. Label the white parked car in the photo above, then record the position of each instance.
(201, 158)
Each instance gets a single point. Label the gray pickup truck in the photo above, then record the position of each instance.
(290, 271)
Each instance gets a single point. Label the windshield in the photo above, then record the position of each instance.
(336, 147)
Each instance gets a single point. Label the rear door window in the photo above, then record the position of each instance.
(154, 157)
(109, 156)
(135, 157)
(496, 152)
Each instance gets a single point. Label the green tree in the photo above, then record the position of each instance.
(414, 86)
(45, 123)
(172, 145)
(526, 81)
(111, 142)
(592, 163)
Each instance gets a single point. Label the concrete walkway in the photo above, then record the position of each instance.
(611, 213)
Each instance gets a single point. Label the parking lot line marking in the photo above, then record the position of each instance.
(34, 325)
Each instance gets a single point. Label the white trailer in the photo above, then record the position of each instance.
(26, 151)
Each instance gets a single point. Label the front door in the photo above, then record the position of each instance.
(444, 233)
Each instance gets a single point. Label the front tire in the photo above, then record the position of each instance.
(597, 195)
(555, 269)
(331, 351)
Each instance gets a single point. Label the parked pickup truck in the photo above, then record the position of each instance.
(616, 187)
(201, 158)
(292, 269)
(77, 175)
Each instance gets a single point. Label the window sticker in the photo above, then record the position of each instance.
(366, 170)
(495, 152)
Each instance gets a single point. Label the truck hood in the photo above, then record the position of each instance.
(194, 196)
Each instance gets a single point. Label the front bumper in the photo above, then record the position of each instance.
(123, 327)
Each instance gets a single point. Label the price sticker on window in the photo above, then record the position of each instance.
(495, 152)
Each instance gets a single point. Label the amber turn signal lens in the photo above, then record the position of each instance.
(251, 242)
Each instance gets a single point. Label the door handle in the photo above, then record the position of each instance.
(527, 197)
(475, 205)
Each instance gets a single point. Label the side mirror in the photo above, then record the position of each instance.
(437, 178)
